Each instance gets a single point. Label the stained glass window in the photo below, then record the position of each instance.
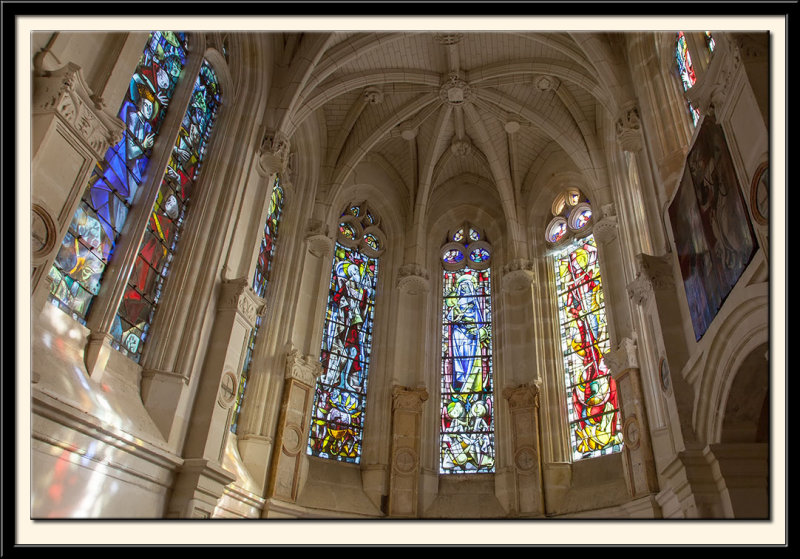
(686, 71)
(593, 407)
(95, 227)
(163, 232)
(467, 403)
(260, 279)
(337, 418)
(710, 43)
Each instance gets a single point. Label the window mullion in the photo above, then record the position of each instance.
(126, 250)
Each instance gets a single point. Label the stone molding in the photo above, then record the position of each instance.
(273, 155)
(606, 229)
(655, 274)
(413, 279)
(319, 242)
(517, 275)
(64, 92)
(239, 295)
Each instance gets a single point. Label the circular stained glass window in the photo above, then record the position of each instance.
(583, 218)
(453, 256)
(372, 241)
(348, 231)
(556, 230)
(479, 255)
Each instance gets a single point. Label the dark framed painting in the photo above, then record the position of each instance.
(714, 239)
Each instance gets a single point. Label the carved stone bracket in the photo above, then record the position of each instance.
(622, 358)
(413, 279)
(273, 156)
(239, 295)
(302, 368)
(319, 242)
(629, 129)
(64, 93)
(655, 274)
(517, 275)
(605, 230)
(522, 396)
(409, 399)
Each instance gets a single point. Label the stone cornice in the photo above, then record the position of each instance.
(302, 368)
(239, 295)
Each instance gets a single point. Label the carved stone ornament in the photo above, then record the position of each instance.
(455, 91)
(461, 148)
(605, 230)
(629, 130)
(405, 460)
(65, 93)
(409, 399)
(631, 432)
(447, 38)
(227, 389)
(546, 83)
(293, 439)
(302, 368)
(655, 274)
(413, 279)
(522, 396)
(43, 232)
(373, 96)
(525, 458)
(319, 243)
(518, 275)
(239, 295)
(622, 358)
(273, 156)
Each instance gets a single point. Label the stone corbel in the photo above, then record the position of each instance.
(629, 129)
(655, 274)
(273, 156)
(409, 399)
(302, 368)
(413, 279)
(622, 358)
(524, 396)
(238, 294)
(64, 93)
(605, 230)
(319, 242)
(518, 275)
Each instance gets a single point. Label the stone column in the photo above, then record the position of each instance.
(405, 456)
(640, 469)
(744, 473)
(523, 404)
(288, 458)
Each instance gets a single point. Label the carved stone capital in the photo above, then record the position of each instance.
(273, 156)
(622, 358)
(317, 238)
(237, 294)
(409, 399)
(522, 396)
(655, 274)
(629, 129)
(413, 279)
(302, 368)
(517, 275)
(64, 92)
(605, 230)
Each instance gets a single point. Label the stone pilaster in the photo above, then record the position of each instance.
(640, 469)
(199, 486)
(406, 434)
(523, 404)
(300, 379)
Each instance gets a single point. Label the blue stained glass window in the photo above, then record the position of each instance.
(89, 244)
(160, 241)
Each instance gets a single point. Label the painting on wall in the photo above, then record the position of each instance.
(714, 238)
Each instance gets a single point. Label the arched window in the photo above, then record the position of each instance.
(592, 402)
(89, 243)
(337, 417)
(161, 236)
(686, 71)
(260, 279)
(467, 404)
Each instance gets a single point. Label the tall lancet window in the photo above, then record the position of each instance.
(260, 280)
(591, 398)
(337, 417)
(169, 212)
(89, 243)
(467, 404)
(686, 71)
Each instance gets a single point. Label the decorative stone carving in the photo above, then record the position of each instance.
(406, 428)
(226, 395)
(517, 275)
(461, 148)
(525, 459)
(409, 399)
(373, 96)
(655, 274)
(405, 460)
(523, 396)
(413, 279)
(319, 243)
(273, 156)
(43, 232)
(629, 129)
(605, 230)
(447, 38)
(546, 83)
(455, 91)
(302, 368)
(64, 92)
(622, 358)
(238, 294)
